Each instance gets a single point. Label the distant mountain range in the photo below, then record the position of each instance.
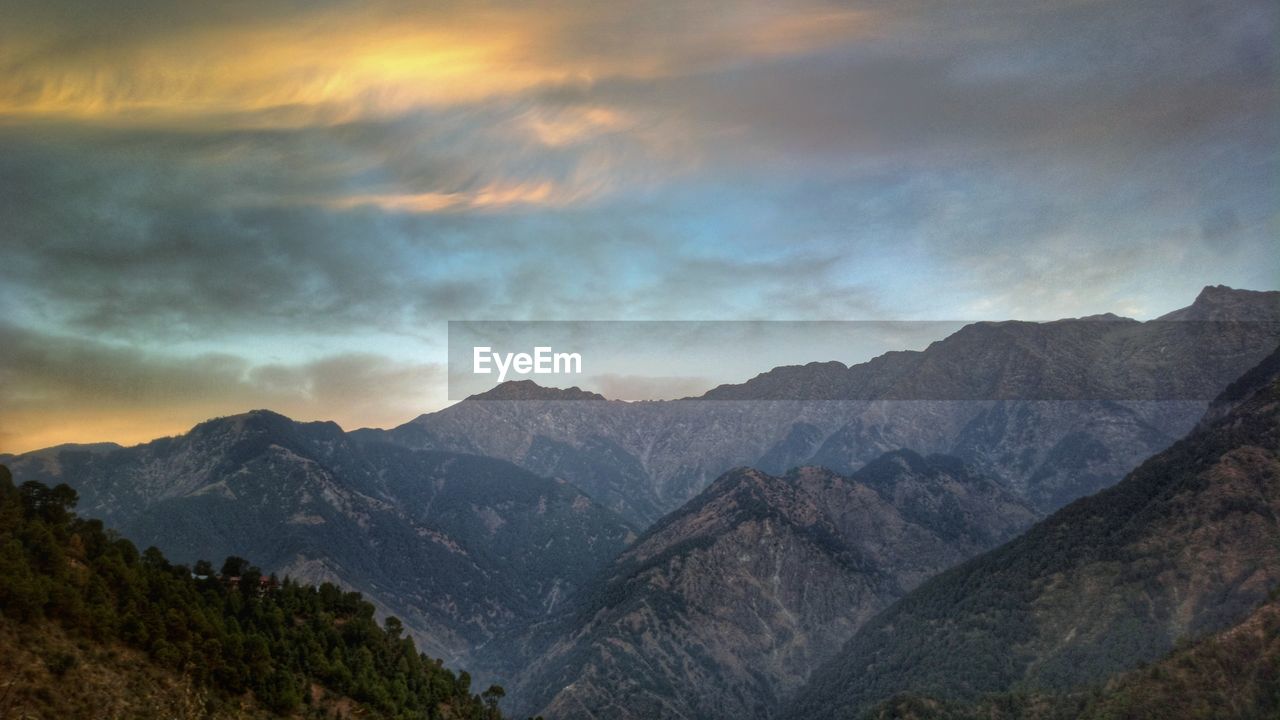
(1055, 410)
(1187, 544)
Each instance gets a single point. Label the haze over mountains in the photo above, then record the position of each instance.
(703, 557)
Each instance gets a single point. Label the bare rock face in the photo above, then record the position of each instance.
(1054, 410)
(459, 547)
(1187, 544)
(724, 607)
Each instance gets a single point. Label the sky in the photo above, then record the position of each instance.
(211, 207)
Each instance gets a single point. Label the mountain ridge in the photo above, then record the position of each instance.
(1057, 410)
(721, 608)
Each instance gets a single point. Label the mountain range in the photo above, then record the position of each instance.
(754, 551)
(1055, 410)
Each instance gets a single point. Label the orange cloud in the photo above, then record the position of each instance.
(573, 125)
(330, 68)
(60, 389)
(495, 196)
(359, 391)
(38, 429)
(341, 64)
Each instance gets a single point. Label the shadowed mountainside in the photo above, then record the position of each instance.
(1231, 675)
(1187, 544)
(723, 608)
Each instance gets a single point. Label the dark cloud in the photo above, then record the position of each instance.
(134, 243)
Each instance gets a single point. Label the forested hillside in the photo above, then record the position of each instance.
(108, 620)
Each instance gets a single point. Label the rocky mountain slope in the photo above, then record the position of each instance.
(1187, 544)
(1055, 410)
(460, 547)
(724, 607)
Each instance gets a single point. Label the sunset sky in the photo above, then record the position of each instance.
(209, 207)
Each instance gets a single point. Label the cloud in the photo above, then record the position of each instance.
(250, 189)
(192, 235)
(489, 197)
(337, 62)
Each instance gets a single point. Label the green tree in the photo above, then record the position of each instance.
(492, 697)
(233, 566)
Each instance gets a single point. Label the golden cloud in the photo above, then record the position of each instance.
(495, 196)
(340, 64)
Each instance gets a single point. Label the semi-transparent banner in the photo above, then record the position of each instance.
(1088, 359)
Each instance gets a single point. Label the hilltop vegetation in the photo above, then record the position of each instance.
(232, 642)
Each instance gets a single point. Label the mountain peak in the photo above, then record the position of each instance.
(1106, 317)
(747, 479)
(530, 390)
(737, 496)
(739, 482)
(251, 418)
(264, 423)
(1220, 302)
(1211, 291)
